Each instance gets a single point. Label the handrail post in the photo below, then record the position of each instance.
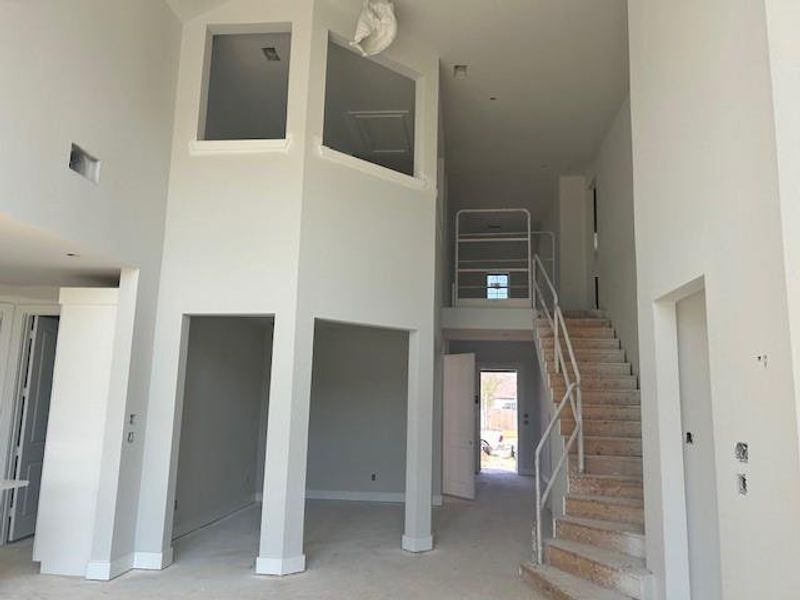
(538, 525)
(579, 424)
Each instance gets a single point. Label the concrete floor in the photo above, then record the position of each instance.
(353, 551)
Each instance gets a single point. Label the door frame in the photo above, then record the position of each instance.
(506, 366)
(674, 521)
(11, 388)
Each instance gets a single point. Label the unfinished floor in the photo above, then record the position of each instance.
(353, 551)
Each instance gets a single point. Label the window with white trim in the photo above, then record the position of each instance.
(497, 286)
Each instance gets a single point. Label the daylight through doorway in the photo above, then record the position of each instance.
(498, 420)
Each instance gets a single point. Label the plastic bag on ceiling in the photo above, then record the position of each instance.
(377, 27)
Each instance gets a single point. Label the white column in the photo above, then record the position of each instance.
(283, 510)
(419, 443)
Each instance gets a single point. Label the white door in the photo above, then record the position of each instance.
(30, 433)
(459, 426)
(698, 449)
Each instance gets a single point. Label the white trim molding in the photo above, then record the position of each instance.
(152, 561)
(413, 544)
(225, 147)
(280, 566)
(344, 496)
(351, 162)
(103, 570)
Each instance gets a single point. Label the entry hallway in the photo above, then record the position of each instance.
(352, 551)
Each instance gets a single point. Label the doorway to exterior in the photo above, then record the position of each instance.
(498, 420)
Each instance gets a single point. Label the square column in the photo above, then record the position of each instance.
(419, 443)
(283, 510)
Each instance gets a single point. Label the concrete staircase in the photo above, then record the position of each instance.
(598, 548)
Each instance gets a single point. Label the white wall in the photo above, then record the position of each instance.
(231, 247)
(706, 204)
(573, 290)
(783, 21)
(223, 398)
(122, 217)
(615, 261)
(78, 407)
(359, 398)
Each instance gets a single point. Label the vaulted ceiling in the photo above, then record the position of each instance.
(557, 68)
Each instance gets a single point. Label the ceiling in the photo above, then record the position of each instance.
(33, 257)
(557, 68)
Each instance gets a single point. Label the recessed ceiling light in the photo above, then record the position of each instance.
(460, 71)
(271, 54)
(492, 98)
(73, 254)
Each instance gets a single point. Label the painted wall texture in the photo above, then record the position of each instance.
(615, 260)
(707, 205)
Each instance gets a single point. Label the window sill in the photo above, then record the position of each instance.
(417, 183)
(222, 147)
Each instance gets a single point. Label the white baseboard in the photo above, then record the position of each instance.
(103, 570)
(413, 544)
(388, 497)
(152, 561)
(280, 566)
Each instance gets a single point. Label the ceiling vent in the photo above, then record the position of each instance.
(271, 54)
(460, 71)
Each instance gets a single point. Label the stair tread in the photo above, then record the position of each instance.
(616, 500)
(632, 565)
(621, 478)
(570, 586)
(606, 525)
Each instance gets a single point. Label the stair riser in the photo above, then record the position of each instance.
(583, 356)
(596, 509)
(586, 485)
(623, 429)
(613, 447)
(600, 369)
(619, 541)
(582, 344)
(590, 384)
(584, 332)
(596, 572)
(611, 465)
(578, 323)
(543, 585)
(601, 412)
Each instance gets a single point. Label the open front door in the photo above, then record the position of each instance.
(459, 426)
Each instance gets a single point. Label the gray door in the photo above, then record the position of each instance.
(32, 426)
(698, 449)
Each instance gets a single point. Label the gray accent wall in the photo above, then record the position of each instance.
(226, 371)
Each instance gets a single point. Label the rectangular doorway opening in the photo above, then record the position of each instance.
(498, 420)
(221, 454)
(31, 409)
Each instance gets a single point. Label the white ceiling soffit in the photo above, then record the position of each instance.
(189, 9)
(30, 256)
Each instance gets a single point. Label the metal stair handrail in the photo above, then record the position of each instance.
(572, 396)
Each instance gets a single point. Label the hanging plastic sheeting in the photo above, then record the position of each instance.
(377, 27)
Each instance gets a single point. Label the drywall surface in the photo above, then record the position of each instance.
(78, 407)
(615, 260)
(231, 247)
(520, 356)
(783, 21)
(217, 457)
(359, 398)
(573, 270)
(122, 216)
(706, 203)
